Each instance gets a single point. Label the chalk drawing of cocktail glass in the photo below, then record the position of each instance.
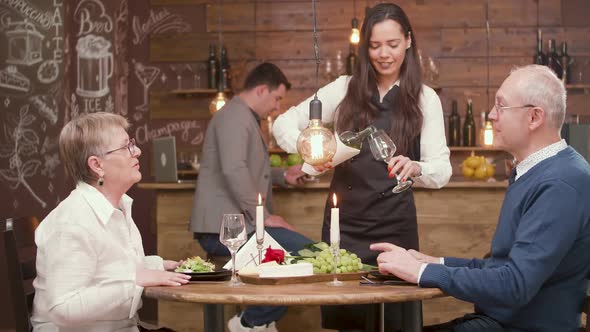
(95, 66)
(146, 75)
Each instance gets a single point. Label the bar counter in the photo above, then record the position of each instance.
(457, 220)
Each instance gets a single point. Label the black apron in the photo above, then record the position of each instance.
(369, 212)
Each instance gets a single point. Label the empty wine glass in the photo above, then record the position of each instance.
(233, 235)
(382, 148)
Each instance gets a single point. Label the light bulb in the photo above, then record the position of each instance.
(488, 134)
(217, 102)
(316, 144)
(355, 35)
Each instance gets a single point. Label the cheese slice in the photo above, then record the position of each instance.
(293, 270)
(253, 270)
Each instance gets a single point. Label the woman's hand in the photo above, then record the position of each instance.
(171, 265)
(324, 167)
(146, 277)
(403, 167)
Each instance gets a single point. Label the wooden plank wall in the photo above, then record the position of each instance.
(451, 32)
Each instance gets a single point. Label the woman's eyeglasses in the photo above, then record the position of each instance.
(130, 146)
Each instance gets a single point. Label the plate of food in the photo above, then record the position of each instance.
(201, 270)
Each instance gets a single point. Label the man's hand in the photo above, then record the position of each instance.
(277, 221)
(294, 175)
(396, 260)
(146, 277)
(424, 258)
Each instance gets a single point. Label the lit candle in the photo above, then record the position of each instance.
(334, 223)
(259, 219)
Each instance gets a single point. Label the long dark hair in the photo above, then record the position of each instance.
(406, 121)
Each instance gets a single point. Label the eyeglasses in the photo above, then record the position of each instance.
(130, 146)
(499, 108)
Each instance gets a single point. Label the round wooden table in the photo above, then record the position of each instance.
(215, 294)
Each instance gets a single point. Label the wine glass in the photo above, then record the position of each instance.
(382, 148)
(233, 235)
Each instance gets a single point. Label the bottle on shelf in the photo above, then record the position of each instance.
(339, 64)
(540, 58)
(212, 68)
(469, 126)
(454, 126)
(225, 70)
(351, 60)
(565, 61)
(355, 139)
(553, 58)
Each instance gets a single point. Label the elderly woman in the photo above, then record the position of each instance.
(91, 268)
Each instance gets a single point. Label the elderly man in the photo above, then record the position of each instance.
(536, 276)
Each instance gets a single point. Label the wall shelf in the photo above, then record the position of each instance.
(196, 91)
(474, 148)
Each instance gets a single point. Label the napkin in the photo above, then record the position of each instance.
(343, 153)
(248, 253)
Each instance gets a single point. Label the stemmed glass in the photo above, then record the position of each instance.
(233, 235)
(194, 68)
(178, 69)
(382, 148)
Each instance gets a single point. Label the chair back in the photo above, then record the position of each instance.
(21, 253)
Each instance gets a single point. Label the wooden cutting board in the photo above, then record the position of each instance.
(301, 280)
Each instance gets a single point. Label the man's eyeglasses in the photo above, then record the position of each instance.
(130, 146)
(499, 108)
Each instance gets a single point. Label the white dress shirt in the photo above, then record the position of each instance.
(87, 254)
(434, 153)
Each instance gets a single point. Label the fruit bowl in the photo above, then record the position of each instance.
(477, 168)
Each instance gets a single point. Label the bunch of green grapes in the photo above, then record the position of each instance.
(323, 262)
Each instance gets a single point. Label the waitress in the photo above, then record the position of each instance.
(385, 91)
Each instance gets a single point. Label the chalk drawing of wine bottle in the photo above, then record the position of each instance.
(95, 66)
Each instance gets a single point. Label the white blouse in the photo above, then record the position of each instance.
(434, 153)
(87, 254)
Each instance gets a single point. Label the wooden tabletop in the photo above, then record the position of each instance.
(291, 294)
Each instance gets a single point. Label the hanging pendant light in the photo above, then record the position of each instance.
(316, 144)
(220, 98)
(355, 34)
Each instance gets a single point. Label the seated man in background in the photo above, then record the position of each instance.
(536, 276)
(235, 168)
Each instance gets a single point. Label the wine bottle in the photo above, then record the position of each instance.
(553, 59)
(540, 58)
(454, 126)
(350, 60)
(212, 68)
(224, 67)
(565, 64)
(355, 140)
(469, 126)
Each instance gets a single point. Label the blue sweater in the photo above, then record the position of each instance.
(536, 277)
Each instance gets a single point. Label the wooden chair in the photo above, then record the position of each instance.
(21, 252)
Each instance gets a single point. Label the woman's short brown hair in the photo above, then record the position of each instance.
(85, 136)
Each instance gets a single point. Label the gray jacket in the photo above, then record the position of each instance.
(234, 168)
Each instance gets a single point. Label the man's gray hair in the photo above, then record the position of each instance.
(541, 87)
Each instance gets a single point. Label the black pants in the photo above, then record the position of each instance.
(468, 323)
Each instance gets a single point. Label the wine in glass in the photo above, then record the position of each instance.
(233, 235)
(382, 148)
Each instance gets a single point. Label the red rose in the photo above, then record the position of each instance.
(277, 255)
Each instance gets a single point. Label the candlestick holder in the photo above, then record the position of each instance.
(335, 247)
(259, 243)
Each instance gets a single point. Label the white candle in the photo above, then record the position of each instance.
(259, 219)
(334, 223)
